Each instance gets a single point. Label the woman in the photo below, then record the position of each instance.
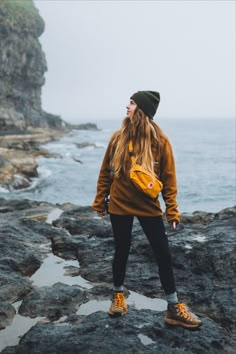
(153, 151)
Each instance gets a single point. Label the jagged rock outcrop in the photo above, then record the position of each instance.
(204, 264)
(18, 154)
(22, 68)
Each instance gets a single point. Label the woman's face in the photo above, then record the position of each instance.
(131, 108)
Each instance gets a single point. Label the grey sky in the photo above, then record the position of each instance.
(100, 52)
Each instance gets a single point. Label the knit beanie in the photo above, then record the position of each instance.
(147, 101)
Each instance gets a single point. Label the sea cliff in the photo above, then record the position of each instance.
(22, 68)
(24, 125)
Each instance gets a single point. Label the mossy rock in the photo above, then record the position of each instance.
(20, 16)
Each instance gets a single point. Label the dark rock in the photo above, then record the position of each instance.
(90, 225)
(52, 302)
(7, 313)
(72, 271)
(13, 286)
(20, 255)
(17, 205)
(227, 213)
(203, 253)
(54, 122)
(204, 262)
(20, 182)
(3, 162)
(197, 217)
(25, 264)
(84, 126)
(97, 333)
(84, 145)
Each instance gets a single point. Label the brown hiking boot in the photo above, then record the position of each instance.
(180, 315)
(118, 306)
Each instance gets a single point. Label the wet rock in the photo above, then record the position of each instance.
(21, 251)
(84, 223)
(84, 145)
(25, 264)
(18, 157)
(197, 217)
(19, 182)
(72, 271)
(97, 333)
(227, 213)
(85, 126)
(7, 313)
(52, 302)
(17, 205)
(13, 286)
(204, 261)
(64, 247)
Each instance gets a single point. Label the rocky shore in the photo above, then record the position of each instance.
(19, 152)
(67, 313)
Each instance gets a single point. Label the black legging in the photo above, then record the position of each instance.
(154, 229)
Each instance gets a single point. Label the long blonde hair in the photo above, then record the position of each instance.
(142, 131)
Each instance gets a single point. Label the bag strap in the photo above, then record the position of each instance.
(131, 152)
(132, 155)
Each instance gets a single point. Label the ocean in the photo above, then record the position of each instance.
(204, 152)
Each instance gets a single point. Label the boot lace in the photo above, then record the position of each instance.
(183, 311)
(118, 300)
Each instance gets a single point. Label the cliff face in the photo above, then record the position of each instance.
(22, 67)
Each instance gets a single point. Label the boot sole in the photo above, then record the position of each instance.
(182, 324)
(117, 314)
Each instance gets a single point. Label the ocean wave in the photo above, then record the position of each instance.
(44, 172)
(101, 145)
(4, 190)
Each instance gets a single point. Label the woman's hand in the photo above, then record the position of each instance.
(175, 228)
(173, 224)
(101, 214)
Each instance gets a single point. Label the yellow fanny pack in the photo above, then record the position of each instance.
(142, 179)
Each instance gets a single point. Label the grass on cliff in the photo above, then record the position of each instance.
(18, 13)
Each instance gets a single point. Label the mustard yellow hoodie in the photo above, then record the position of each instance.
(126, 199)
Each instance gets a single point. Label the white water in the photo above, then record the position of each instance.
(205, 161)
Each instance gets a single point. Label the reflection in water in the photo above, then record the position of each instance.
(53, 215)
(139, 302)
(145, 339)
(52, 271)
(20, 325)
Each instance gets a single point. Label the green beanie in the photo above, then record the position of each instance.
(147, 101)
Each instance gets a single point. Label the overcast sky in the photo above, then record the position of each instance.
(100, 52)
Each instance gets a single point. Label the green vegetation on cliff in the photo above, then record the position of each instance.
(20, 15)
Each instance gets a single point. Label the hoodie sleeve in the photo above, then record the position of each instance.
(168, 178)
(104, 182)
